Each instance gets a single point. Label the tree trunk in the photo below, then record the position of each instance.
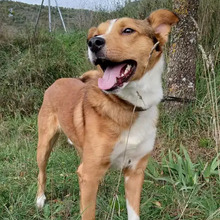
(181, 74)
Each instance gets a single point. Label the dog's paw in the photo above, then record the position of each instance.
(40, 201)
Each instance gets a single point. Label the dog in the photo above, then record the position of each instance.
(110, 114)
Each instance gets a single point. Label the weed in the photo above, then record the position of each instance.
(172, 187)
(32, 65)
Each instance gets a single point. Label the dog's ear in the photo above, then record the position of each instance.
(91, 32)
(161, 21)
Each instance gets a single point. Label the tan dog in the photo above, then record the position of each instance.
(110, 115)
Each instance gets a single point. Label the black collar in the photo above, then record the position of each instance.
(139, 109)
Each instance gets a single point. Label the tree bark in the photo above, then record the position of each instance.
(181, 73)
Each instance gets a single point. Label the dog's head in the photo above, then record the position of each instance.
(122, 47)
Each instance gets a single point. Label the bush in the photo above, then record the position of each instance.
(30, 64)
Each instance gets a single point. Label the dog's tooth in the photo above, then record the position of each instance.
(128, 68)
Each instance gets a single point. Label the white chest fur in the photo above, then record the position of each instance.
(139, 141)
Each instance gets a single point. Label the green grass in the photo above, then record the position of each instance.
(174, 187)
(30, 64)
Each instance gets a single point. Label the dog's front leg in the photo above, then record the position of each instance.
(90, 174)
(134, 178)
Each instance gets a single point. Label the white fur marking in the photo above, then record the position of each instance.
(110, 26)
(69, 141)
(131, 213)
(131, 147)
(90, 55)
(149, 87)
(40, 201)
(126, 179)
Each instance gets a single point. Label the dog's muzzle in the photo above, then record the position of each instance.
(116, 74)
(96, 44)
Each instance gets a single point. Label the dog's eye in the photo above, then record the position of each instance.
(128, 31)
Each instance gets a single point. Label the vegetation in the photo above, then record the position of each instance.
(30, 64)
(174, 187)
(180, 183)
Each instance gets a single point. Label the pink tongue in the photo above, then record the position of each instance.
(110, 77)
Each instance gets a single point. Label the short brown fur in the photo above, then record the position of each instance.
(94, 120)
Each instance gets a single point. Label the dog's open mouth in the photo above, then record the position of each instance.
(115, 74)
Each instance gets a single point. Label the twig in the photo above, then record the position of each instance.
(152, 50)
(211, 86)
(176, 99)
(217, 211)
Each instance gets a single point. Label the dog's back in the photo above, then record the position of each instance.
(109, 114)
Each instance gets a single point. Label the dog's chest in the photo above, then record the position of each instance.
(136, 142)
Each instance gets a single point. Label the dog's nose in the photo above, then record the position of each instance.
(96, 44)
